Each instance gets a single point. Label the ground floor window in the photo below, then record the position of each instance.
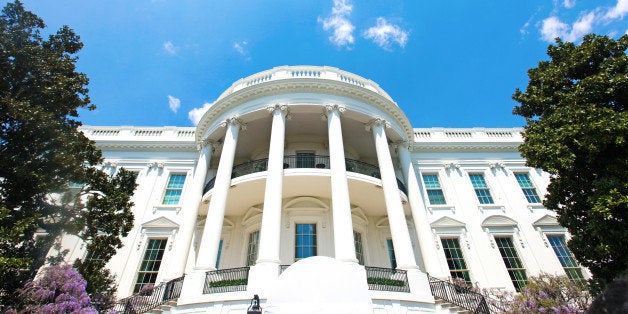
(391, 253)
(251, 254)
(305, 241)
(359, 251)
(149, 268)
(515, 268)
(566, 258)
(455, 259)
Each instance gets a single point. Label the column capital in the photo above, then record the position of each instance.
(329, 108)
(235, 121)
(404, 144)
(281, 107)
(206, 143)
(377, 121)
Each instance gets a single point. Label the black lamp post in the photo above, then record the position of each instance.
(254, 308)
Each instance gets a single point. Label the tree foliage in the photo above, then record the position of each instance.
(41, 152)
(576, 130)
(61, 289)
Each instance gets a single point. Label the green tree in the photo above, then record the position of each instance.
(41, 151)
(576, 130)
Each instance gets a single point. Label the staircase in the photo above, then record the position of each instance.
(457, 299)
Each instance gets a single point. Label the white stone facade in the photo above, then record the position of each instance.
(317, 148)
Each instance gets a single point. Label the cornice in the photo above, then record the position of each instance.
(302, 85)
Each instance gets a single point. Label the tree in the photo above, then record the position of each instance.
(576, 131)
(42, 151)
(61, 289)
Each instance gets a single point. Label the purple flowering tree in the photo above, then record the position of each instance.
(60, 289)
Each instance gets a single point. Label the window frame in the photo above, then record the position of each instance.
(533, 187)
(166, 189)
(487, 188)
(468, 278)
(360, 257)
(578, 268)
(427, 190)
(141, 261)
(316, 238)
(515, 282)
(249, 261)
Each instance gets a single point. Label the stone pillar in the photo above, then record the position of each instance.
(396, 217)
(429, 254)
(344, 247)
(270, 232)
(208, 251)
(191, 203)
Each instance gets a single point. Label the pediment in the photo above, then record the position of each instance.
(498, 221)
(160, 222)
(306, 202)
(447, 222)
(546, 220)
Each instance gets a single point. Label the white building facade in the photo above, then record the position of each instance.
(297, 162)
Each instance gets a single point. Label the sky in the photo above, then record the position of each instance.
(446, 63)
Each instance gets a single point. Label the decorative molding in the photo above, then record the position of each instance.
(484, 207)
(235, 121)
(435, 236)
(377, 121)
(498, 221)
(491, 239)
(447, 222)
(451, 164)
(497, 164)
(207, 143)
(518, 234)
(546, 220)
(160, 222)
(542, 235)
(329, 108)
(281, 107)
(465, 237)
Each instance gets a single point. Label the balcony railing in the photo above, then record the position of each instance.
(387, 279)
(150, 298)
(226, 280)
(460, 296)
(303, 161)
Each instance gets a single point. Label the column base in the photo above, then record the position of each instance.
(263, 276)
(419, 284)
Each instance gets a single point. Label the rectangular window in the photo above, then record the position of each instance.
(174, 189)
(566, 258)
(359, 252)
(219, 254)
(305, 241)
(515, 268)
(149, 268)
(434, 190)
(391, 253)
(251, 254)
(481, 189)
(455, 259)
(527, 187)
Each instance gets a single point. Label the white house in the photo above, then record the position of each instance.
(303, 161)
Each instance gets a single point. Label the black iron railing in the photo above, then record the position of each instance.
(460, 296)
(148, 299)
(282, 268)
(387, 279)
(303, 161)
(226, 280)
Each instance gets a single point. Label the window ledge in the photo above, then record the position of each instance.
(537, 206)
(433, 208)
(483, 207)
(175, 208)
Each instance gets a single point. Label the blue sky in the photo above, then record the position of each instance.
(446, 63)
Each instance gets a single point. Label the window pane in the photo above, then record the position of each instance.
(515, 268)
(566, 258)
(150, 264)
(357, 241)
(305, 241)
(481, 189)
(391, 253)
(434, 191)
(527, 187)
(253, 248)
(172, 195)
(455, 259)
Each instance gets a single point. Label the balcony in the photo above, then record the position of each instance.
(303, 161)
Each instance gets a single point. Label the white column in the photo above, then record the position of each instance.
(429, 254)
(344, 247)
(270, 232)
(191, 202)
(396, 217)
(208, 251)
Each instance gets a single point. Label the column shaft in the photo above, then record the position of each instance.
(421, 222)
(344, 247)
(396, 217)
(212, 231)
(189, 210)
(270, 233)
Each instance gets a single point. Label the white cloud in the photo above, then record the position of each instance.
(553, 27)
(384, 34)
(339, 23)
(174, 103)
(618, 11)
(196, 114)
(569, 3)
(170, 48)
(240, 47)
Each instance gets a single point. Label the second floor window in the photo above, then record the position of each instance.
(481, 188)
(174, 188)
(433, 189)
(527, 187)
